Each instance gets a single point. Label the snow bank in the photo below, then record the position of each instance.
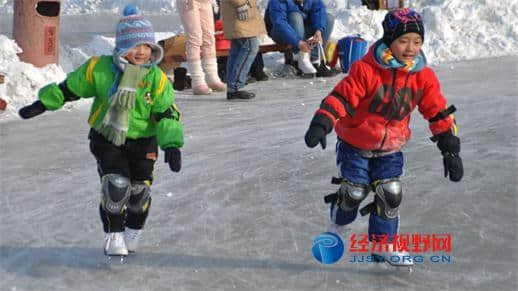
(454, 30)
(23, 79)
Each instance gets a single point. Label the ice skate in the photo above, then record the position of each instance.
(305, 65)
(394, 258)
(132, 238)
(114, 244)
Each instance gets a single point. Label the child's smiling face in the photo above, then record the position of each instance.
(139, 54)
(406, 47)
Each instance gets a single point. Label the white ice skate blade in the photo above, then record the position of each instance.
(116, 258)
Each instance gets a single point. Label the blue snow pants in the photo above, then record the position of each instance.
(360, 170)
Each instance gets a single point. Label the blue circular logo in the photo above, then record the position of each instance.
(327, 248)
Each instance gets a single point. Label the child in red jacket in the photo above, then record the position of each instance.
(370, 110)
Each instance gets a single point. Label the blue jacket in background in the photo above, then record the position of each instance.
(312, 10)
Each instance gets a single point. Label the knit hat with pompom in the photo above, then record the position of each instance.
(133, 29)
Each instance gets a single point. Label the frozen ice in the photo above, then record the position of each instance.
(249, 198)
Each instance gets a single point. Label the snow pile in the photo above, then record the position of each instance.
(454, 30)
(23, 80)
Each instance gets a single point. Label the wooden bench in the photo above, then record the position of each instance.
(174, 51)
(264, 48)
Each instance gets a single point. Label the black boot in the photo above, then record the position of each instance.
(257, 68)
(240, 95)
(179, 78)
(250, 79)
(260, 76)
(222, 68)
(324, 71)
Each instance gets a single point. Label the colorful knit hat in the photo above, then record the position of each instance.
(400, 21)
(133, 29)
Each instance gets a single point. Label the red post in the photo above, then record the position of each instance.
(3, 103)
(36, 31)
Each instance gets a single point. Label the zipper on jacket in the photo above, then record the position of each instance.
(393, 95)
(392, 98)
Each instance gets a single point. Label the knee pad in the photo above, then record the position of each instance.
(140, 198)
(115, 193)
(350, 195)
(388, 198)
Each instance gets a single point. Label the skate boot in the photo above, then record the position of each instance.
(114, 244)
(132, 238)
(305, 65)
(393, 257)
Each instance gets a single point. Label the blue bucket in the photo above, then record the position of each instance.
(350, 49)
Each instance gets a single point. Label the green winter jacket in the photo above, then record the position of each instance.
(154, 114)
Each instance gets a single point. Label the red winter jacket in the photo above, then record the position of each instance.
(371, 107)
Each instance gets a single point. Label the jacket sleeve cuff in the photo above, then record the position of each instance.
(51, 97)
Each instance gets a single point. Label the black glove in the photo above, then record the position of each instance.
(173, 157)
(450, 149)
(316, 134)
(319, 127)
(32, 110)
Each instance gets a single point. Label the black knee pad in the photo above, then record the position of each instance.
(350, 195)
(389, 194)
(140, 198)
(115, 193)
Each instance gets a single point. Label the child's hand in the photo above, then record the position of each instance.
(304, 46)
(173, 157)
(450, 149)
(32, 110)
(316, 134)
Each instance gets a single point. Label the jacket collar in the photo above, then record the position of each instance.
(380, 57)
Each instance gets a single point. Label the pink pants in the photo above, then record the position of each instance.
(198, 22)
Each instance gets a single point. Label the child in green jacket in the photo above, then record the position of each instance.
(133, 112)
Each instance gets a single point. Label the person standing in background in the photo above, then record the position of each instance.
(242, 24)
(197, 20)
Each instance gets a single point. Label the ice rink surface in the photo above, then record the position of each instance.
(242, 213)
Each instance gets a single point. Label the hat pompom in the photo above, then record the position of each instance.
(130, 10)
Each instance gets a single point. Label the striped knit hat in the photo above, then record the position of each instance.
(400, 21)
(133, 29)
